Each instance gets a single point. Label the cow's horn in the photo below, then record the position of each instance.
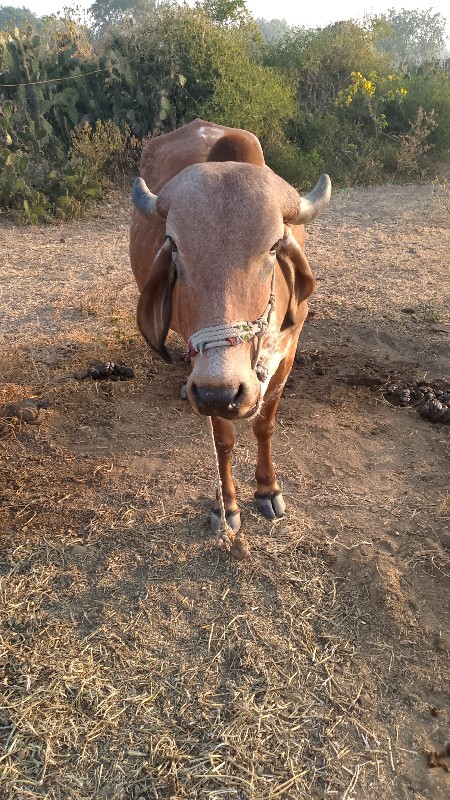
(312, 204)
(143, 198)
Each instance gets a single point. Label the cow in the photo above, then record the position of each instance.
(217, 250)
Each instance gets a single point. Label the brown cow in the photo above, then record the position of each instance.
(217, 252)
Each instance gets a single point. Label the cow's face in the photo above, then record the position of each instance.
(224, 234)
(225, 225)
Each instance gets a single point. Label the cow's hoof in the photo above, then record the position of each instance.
(233, 519)
(272, 505)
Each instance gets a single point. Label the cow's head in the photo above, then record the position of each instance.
(227, 231)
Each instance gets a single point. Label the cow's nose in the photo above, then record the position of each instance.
(215, 401)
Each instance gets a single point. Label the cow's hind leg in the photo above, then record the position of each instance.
(225, 438)
(268, 497)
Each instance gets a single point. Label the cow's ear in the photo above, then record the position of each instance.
(154, 311)
(297, 273)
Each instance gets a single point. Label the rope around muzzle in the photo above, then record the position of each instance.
(230, 336)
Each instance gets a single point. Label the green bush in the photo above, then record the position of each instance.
(191, 66)
(299, 169)
(429, 88)
(37, 181)
(355, 111)
(104, 151)
(79, 107)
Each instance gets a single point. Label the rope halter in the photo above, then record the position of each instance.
(234, 334)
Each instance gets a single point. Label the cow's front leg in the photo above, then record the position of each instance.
(269, 499)
(225, 438)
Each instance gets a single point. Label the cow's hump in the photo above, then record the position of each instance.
(236, 146)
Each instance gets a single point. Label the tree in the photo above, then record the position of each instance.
(107, 13)
(410, 37)
(189, 66)
(225, 12)
(12, 17)
(273, 30)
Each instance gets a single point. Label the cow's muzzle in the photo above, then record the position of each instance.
(219, 401)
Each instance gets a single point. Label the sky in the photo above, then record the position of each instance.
(296, 13)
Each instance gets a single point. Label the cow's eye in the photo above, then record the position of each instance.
(173, 243)
(274, 247)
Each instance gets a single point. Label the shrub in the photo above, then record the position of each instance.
(414, 144)
(299, 169)
(323, 99)
(37, 181)
(190, 66)
(429, 88)
(104, 151)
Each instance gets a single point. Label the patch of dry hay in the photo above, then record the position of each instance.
(152, 668)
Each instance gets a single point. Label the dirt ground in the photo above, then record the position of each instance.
(139, 662)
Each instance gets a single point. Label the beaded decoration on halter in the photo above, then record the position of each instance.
(234, 334)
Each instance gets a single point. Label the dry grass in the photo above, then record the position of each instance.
(136, 660)
(254, 700)
(441, 194)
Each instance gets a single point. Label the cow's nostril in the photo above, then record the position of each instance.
(217, 401)
(194, 393)
(237, 399)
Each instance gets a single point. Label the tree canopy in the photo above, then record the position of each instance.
(410, 37)
(108, 13)
(9, 15)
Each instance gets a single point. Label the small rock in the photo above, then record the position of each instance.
(183, 392)
(408, 310)
(30, 415)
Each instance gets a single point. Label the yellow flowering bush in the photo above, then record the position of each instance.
(373, 92)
